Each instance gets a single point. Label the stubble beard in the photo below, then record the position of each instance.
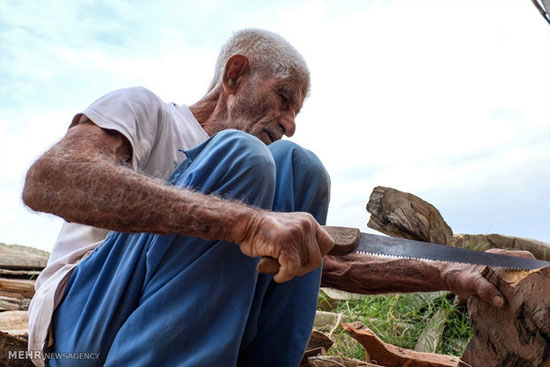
(251, 116)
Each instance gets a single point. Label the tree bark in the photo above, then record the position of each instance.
(22, 257)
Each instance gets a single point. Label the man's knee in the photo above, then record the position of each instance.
(232, 164)
(304, 163)
(245, 149)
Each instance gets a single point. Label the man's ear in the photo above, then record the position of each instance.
(235, 68)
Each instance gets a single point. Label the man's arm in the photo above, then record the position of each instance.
(84, 179)
(373, 275)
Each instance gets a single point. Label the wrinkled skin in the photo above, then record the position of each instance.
(289, 230)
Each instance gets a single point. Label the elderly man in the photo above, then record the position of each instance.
(193, 196)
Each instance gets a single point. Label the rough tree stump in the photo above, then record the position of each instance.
(518, 334)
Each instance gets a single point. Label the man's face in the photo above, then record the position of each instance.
(266, 108)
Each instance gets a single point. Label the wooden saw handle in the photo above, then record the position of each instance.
(345, 241)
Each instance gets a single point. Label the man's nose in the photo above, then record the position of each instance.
(287, 122)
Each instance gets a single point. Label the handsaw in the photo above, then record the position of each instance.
(351, 240)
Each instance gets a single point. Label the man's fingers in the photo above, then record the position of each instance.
(282, 276)
(316, 242)
(295, 240)
(488, 292)
(314, 259)
(325, 241)
(468, 281)
(287, 270)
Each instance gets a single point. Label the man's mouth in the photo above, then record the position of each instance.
(272, 138)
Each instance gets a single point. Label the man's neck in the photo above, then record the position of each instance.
(210, 111)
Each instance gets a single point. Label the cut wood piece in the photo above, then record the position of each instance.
(517, 334)
(340, 295)
(319, 339)
(482, 242)
(21, 288)
(13, 320)
(330, 297)
(400, 214)
(312, 353)
(22, 257)
(333, 361)
(14, 303)
(392, 356)
(19, 274)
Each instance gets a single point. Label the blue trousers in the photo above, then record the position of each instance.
(150, 300)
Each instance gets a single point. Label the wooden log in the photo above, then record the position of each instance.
(518, 334)
(14, 320)
(20, 288)
(391, 356)
(14, 303)
(312, 353)
(400, 214)
(339, 295)
(19, 274)
(318, 340)
(22, 257)
(482, 242)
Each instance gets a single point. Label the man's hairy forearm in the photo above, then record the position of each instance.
(101, 192)
(373, 274)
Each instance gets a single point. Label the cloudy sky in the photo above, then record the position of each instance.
(448, 100)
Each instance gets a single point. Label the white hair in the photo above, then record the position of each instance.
(268, 55)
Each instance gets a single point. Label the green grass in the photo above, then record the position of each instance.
(399, 320)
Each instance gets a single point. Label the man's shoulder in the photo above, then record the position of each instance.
(135, 94)
(139, 101)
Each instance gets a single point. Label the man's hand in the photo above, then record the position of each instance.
(466, 280)
(296, 240)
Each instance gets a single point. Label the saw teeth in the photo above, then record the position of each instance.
(424, 259)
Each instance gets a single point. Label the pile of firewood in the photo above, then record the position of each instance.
(19, 268)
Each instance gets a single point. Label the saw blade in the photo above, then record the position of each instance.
(402, 248)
